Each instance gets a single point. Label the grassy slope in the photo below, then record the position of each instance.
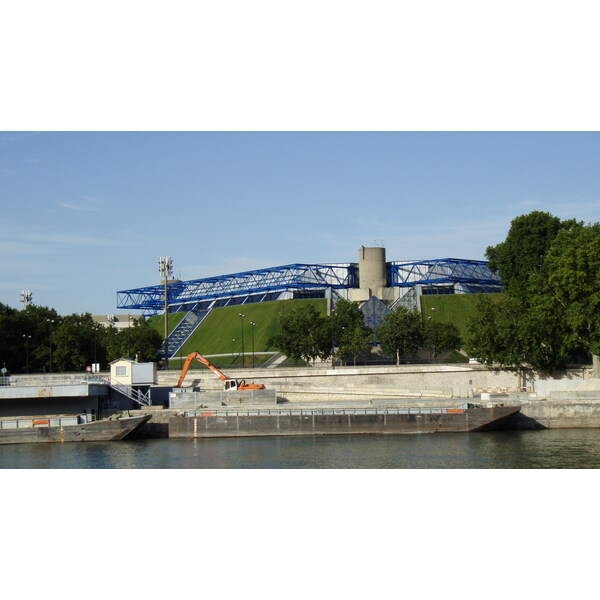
(457, 309)
(158, 322)
(223, 324)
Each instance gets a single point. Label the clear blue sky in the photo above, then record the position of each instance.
(87, 214)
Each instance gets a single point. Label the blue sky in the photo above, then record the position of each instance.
(87, 214)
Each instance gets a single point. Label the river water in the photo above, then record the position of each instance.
(546, 449)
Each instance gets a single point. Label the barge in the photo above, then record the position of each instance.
(338, 421)
(67, 428)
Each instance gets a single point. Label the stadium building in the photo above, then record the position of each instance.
(377, 285)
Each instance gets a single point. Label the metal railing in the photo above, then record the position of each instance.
(48, 421)
(257, 412)
(48, 380)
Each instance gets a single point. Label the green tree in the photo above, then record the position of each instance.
(571, 288)
(506, 333)
(140, 342)
(523, 251)
(305, 334)
(354, 342)
(439, 337)
(401, 333)
(349, 332)
(77, 343)
(550, 270)
(41, 323)
(10, 346)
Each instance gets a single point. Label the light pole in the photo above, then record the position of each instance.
(253, 326)
(26, 298)
(96, 328)
(50, 322)
(165, 268)
(26, 338)
(232, 343)
(242, 315)
(332, 342)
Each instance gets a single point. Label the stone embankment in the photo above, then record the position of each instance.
(569, 399)
(364, 383)
(560, 410)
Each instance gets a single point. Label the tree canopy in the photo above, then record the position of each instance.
(37, 339)
(550, 308)
(350, 335)
(401, 333)
(304, 334)
(308, 335)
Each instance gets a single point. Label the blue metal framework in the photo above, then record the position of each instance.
(288, 277)
(442, 271)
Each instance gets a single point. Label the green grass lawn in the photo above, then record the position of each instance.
(222, 325)
(222, 362)
(456, 308)
(158, 321)
(215, 334)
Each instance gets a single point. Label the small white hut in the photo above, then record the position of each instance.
(125, 371)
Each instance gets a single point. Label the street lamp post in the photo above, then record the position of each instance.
(26, 338)
(232, 343)
(332, 343)
(95, 343)
(242, 315)
(165, 268)
(50, 322)
(253, 325)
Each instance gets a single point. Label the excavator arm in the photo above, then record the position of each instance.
(197, 356)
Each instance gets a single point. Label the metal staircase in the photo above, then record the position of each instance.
(184, 330)
(139, 397)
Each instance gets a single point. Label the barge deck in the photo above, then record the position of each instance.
(337, 421)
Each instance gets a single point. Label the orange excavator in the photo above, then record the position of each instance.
(230, 384)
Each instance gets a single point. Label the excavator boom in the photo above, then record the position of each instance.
(242, 385)
(197, 356)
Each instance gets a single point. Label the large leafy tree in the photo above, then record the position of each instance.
(305, 334)
(10, 348)
(401, 333)
(571, 288)
(349, 333)
(140, 342)
(36, 338)
(78, 343)
(523, 251)
(25, 337)
(550, 271)
(505, 332)
(439, 337)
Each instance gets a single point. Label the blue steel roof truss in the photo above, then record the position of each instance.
(440, 271)
(287, 277)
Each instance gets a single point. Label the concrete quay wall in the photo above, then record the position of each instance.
(364, 383)
(573, 413)
(216, 399)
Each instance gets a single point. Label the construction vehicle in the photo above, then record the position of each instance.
(230, 384)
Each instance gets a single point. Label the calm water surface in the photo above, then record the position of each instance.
(549, 449)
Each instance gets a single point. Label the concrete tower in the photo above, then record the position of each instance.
(372, 274)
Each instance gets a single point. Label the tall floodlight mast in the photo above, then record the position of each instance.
(165, 268)
(26, 298)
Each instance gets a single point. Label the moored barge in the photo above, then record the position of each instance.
(67, 428)
(337, 421)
